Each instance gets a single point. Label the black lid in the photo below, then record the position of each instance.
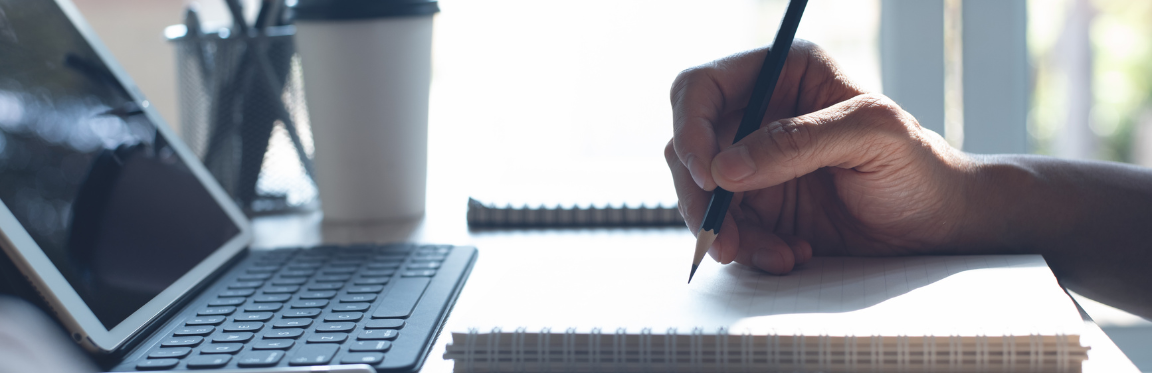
(322, 10)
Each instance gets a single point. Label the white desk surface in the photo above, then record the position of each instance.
(502, 252)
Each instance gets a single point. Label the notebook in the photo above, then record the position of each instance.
(933, 313)
(617, 192)
(144, 258)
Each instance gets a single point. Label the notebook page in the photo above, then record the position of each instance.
(937, 295)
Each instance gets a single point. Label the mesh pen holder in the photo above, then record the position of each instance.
(242, 112)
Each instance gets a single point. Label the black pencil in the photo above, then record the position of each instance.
(753, 115)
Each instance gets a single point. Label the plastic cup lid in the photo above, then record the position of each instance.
(324, 10)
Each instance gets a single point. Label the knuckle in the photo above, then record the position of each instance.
(888, 123)
(684, 79)
(670, 153)
(881, 109)
(790, 140)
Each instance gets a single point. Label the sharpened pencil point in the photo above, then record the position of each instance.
(704, 240)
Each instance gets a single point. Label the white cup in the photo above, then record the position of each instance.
(367, 67)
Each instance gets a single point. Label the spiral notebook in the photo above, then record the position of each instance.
(615, 193)
(937, 313)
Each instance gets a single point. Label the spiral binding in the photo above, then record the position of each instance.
(723, 351)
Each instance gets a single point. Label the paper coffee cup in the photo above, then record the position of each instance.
(367, 70)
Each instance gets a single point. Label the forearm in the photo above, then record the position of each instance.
(1092, 221)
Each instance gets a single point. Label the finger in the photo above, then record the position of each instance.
(766, 251)
(691, 200)
(708, 100)
(727, 243)
(858, 133)
(801, 249)
(700, 97)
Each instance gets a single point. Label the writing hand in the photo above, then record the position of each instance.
(832, 170)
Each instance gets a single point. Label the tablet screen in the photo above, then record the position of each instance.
(86, 173)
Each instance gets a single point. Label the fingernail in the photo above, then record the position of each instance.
(697, 170)
(735, 163)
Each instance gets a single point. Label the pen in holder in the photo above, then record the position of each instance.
(242, 111)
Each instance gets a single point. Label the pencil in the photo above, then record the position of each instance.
(753, 115)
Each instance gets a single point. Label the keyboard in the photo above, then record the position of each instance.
(381, 305)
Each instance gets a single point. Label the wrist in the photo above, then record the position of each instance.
(1013, 208)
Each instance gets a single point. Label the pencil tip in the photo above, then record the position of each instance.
(693, 273)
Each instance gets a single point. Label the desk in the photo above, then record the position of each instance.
(509, 258)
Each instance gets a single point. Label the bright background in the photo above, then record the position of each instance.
(571, 97)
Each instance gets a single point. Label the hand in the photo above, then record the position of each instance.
(832, 170)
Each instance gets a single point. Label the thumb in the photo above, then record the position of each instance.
(858, 133)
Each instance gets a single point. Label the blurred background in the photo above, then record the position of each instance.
(544, 94)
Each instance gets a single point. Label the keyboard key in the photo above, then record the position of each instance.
(283, 333)
(429, 258)
(339, 270)
(227, 310)
(258, 307)
(246, 285)
(182, 342)
(244, 327)
(369, 346)
(354, 298)
(303, 312)
(289, 281)
(236, 293)
(222, 348)
(351, 307)
(365, 289)
(424, 265)
(153, 364)
(233, 337)
(328, 338)
(227, 302)
(326, 286)
(335, 327)
(378, 334)
(317, 354)
(263, 269)
(437, 250)
(254, 277)
(208, 361)
(402, 298)
(286, 289)
(194, 330)
(385, 265)
(259, 358)
(371, 281)
(305, 265)
(344, 316)
(420, 273)
(272, 298)
(324, 294)
(370, 358)
(298, 273)
(347, 262)
(312, 303)
(390, 256)
(273, 344)
(253, 316)
(378, 273)
(384, 324)
(205, 320)
(293, 323)
(175, 352)
(333, 278)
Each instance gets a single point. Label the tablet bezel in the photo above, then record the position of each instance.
(70, 309)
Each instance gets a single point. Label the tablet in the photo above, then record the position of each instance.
(104, 210)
